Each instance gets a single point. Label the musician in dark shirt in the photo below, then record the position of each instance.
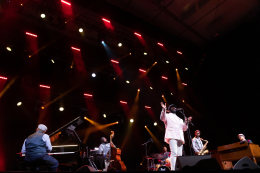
(243, 139)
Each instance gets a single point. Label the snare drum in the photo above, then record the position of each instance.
(163, 168)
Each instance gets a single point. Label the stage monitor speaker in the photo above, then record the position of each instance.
(197, 163)
(246, 163)
(86, 168)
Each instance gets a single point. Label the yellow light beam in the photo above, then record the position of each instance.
(156, 141)
(8, 86)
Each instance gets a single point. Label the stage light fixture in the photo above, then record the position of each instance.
(127, 81)
(88, 95)
(19, 103)
(186, 68)
(102, 42)
(162, 95)
(160, 44)
(123, 102)
(139, 35)
(61, 108)
(171, 93)
(151, 88)
(167, 62)
(164, 77)
(148, 107)
(104, 115)
(93, 74)
(145, 53)
(74, 48)
(43, 15)
(27, 33)
(179, 52)
(80, 30)
(105, 20)
(30, 56)
(119, 44)
(44, 86)
(52, 61)
(145, 126)
(130, 53)
(155, 123)
(42, 107)
(141, 70)
(176, 69)
(8, 48)
(138, 90)
(1, 77)
(184, 84)
(183, 101)
(131, 120)
(21, 4)
(114, 61)
(65, 2)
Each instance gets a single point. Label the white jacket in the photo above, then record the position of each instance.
(174, 126)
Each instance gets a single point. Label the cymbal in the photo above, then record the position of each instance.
(157, 156)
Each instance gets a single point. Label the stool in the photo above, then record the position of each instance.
(33, 166)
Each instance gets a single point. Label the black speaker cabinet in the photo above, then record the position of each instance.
(86, 168)
(197, 163)
(246, 163)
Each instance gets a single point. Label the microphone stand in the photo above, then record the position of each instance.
(150, 140)
(188, 131)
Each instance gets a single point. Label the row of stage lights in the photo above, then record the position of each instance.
(43, 16)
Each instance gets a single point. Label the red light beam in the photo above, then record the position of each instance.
(27, 33)
(75, 48)
(45, 86)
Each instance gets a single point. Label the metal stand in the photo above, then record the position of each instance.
(148, 166)
(188, 131)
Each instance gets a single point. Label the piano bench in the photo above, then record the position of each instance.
(33, 166)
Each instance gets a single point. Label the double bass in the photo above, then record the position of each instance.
(115, 156)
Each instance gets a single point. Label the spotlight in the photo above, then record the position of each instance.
(43, 15)
(102, 42)
(145, 53)
(104, 115)
(151, 88)
(131, 120)
(9, 49)
(19, 103)
(171, 93)
(42, 107)
(138, 90)
(61, 108)
(119, 44)
(80, 30)
(167, 62)
(141, 70)
(30, 56)
(164, 77)
(162, 95)
(127, 81)
(179, 52)
(186, 68)
(52, 61)
(93, 74)
(176, 69)
(183, 101)
(184, 84)
(145, 126)
(21, 4)
(155, 123)
(130, 53)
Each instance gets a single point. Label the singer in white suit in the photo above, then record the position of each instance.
(174, 127)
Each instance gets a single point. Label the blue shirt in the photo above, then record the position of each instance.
(104, 148)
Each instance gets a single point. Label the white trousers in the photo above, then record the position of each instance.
(176, 150)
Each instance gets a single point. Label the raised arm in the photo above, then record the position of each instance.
(162, 116)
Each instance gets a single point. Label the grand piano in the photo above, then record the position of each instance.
(67, 147)
(233, 152)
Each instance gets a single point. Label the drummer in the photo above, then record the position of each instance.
(165, 154)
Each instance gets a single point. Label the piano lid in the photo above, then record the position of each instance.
(66, 133)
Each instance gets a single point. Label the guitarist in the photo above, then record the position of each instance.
(197, 144)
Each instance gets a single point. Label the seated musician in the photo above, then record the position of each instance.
(166, 154)
(197, 144)
(36, 147)
(243, 139)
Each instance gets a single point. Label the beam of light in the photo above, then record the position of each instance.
(179, 52)
(141, 70)
(150, 112)
(160, 44)
(123, 102)
(105, 20)
(164, 99)
(75, 48)
(156, 141)
(139, 35)
(181, 92)
(65, 2)
(114, 61)
(27, 33)
(148, 107)
(45, 86)
(96, 127)
(164, 77)
(2, 84)
(88, 95)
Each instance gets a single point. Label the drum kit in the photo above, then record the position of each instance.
(162, 163)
